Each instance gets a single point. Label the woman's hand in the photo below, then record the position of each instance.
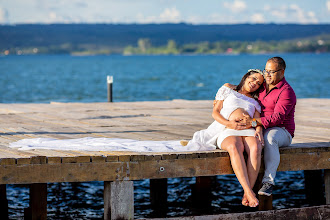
(236, 125)
(260, 136)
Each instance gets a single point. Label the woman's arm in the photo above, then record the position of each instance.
(217, 106)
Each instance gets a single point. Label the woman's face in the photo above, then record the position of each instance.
(253, 82)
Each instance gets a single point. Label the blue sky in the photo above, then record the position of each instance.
(165, 11)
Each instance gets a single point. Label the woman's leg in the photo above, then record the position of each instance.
(235, 147)
(253, 149)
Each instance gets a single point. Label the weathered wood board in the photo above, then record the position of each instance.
(163, 120)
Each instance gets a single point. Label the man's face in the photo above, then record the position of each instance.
(273, 74)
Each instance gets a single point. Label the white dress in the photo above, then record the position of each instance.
(216, 132)
(202, 141)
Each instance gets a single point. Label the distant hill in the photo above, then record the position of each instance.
(117, 36)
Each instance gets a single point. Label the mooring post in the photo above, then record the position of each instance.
(201, 192)
(327, 185)
(38, 202)
(265, 202)
(118, 200)
(158, 196)
(109, 83)
(314, 187)
(3, 202)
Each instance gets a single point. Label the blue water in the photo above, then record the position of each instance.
(64, 78)
(41, 79)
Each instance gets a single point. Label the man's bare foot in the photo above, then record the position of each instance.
(253, 201)
(245, 201)
(184, 142)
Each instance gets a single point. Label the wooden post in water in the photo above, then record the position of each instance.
(327, 185)
(158, 196)
(3, 202)
(38, 202)
(109, 83)
(201, 192)
(118, 200)
(314, 187)
(265, 202)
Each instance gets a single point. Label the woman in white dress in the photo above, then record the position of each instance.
(228, 133)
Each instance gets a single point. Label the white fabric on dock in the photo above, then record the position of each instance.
(104, 144)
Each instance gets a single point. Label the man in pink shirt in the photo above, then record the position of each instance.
(278, 101)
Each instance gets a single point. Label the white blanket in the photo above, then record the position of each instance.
(104, 144)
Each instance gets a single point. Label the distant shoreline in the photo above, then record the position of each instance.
(151, 55)
(179, 38)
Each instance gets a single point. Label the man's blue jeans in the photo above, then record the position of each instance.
(275, 138)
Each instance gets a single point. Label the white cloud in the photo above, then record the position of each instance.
(258, 18)
(292, 14)
(194, 19)
(54, 17)
(3, 16)
(140, 18)
(217, 18)
(302, 16)
(328, 5)
(236, 6)
(278, 12)
(267, 8)
(169, 15)
(312, 17)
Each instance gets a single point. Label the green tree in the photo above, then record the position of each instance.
(144, 44)
(171, 47)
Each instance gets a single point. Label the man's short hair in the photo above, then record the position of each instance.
(279, 60)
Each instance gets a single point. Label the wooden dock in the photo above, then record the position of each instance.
(163, 120)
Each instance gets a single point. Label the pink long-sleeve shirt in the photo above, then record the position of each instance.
(278, 106)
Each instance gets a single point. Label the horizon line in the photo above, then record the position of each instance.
(165, 23)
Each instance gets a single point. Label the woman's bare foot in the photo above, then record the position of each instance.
(245, 201)
(252, 200)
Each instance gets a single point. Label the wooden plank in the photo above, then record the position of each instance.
(327, 185)
(314, 187)
(297, 161)
(158, 196)
(38, 201)
(107, 200)
(3, 202)
(148, 169)
(201, 192)
(119, 200)
(110, 171)
(316, 212)
(169, 120)
(77, 159)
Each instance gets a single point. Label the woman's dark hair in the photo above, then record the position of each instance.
(254, 94)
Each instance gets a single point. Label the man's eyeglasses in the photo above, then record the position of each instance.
(270, 72)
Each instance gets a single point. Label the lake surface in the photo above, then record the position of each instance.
(41, 79)
(64, 78)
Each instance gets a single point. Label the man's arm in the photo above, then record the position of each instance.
(283, 107)
(285, 104)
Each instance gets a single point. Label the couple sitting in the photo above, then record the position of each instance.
(263, 102)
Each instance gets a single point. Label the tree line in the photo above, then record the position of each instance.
(144, 46)
(320, 44)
